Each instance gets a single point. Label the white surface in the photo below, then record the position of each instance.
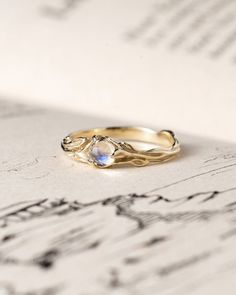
(124, 241)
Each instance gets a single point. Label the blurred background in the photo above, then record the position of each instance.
(163, 63)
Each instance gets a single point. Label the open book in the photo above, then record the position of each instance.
(68, 229)
(170, 63)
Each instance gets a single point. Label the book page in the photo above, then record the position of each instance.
(164, 62)
(66, 228)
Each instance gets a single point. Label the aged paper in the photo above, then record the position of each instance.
(68, 229)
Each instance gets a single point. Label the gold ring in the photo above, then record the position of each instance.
(104, 147)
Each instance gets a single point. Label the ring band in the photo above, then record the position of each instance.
(104, 147)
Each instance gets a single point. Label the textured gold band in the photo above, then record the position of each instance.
(104, 147)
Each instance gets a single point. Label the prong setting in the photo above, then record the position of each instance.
(101, 151)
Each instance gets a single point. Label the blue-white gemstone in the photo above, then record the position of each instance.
(102, 153)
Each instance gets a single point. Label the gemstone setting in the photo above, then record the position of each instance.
(101, 153)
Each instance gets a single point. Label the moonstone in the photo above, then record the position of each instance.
(102, 152)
